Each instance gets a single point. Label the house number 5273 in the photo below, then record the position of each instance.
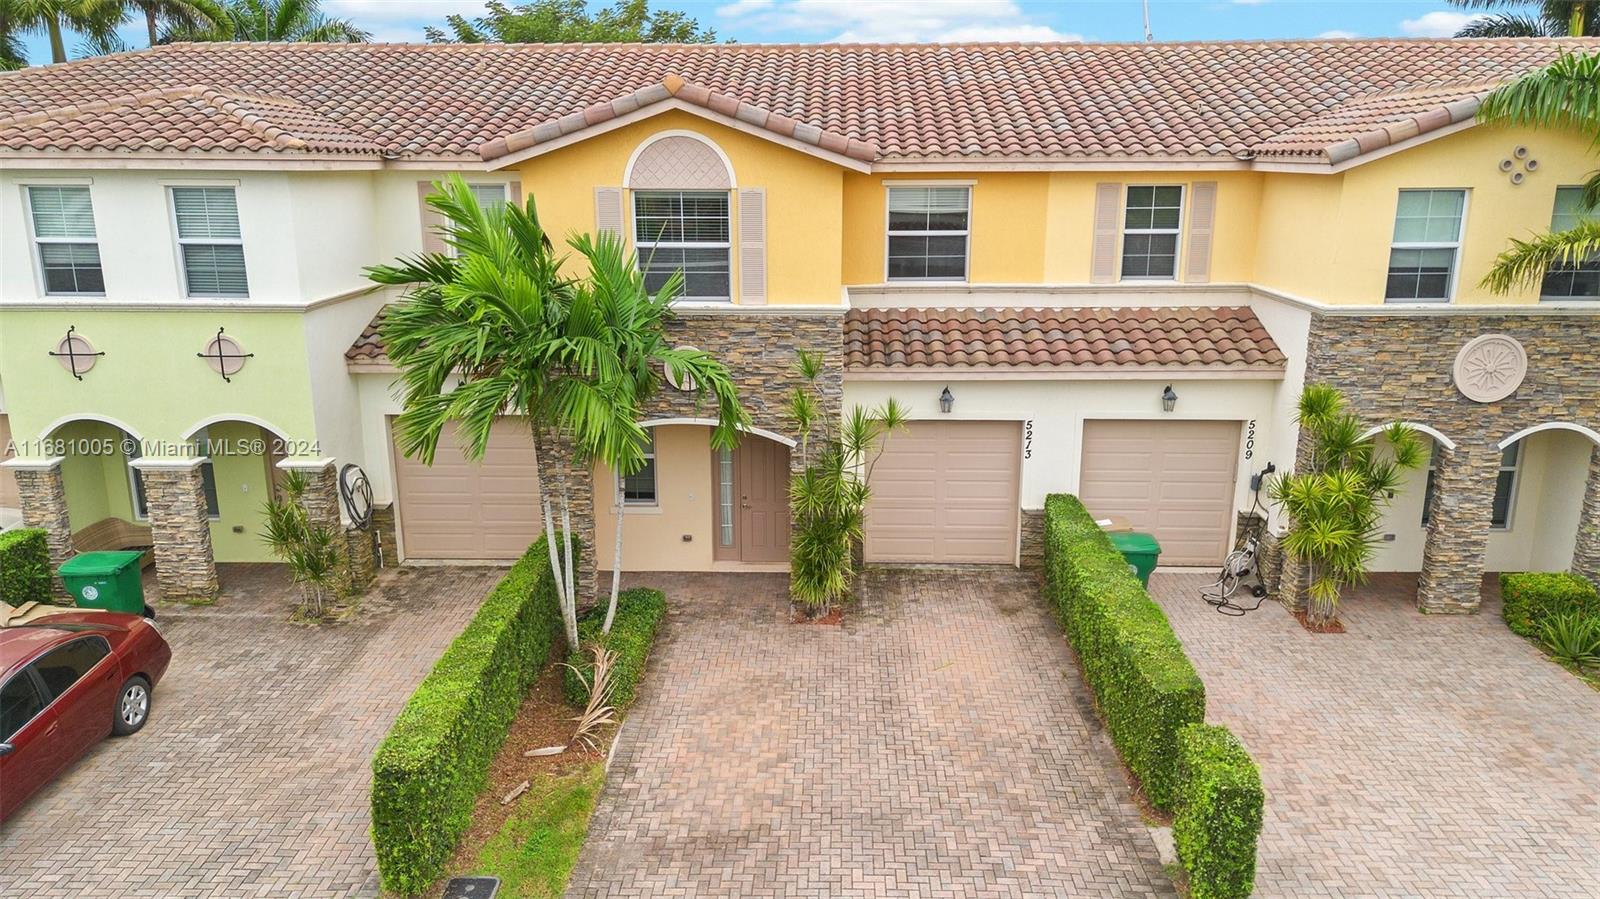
(1027, 439)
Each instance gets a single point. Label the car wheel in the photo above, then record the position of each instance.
(149, 612)
(133, 706)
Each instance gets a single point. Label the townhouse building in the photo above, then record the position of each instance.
(1102, 269)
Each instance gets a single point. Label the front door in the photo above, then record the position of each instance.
(753, 501)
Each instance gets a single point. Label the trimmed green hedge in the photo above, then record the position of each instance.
(1220, 803)
(1531, 597)
(24, 566)
(1147, 689)
(639, 612)
(428, 771)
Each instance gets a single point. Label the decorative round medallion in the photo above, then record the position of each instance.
(681, 382)
(76, 354)
(1490, 368)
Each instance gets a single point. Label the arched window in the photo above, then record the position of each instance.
(681, 185)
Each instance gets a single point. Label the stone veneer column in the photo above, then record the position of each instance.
(43, 495)
(555, 458)
(174, 490)
(1458, 529)
(321, 503)
(1586, 551)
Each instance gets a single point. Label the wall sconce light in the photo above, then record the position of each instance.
(947, 401)
(1169, 400)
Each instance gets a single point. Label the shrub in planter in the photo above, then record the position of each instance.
(24, 566)
(1146, 687)
(639, 612)
(427, 772)
(1531, 597)
(1219, 812)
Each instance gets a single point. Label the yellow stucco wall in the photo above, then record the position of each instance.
(804, 208)
(652, 538)
(1327, 237)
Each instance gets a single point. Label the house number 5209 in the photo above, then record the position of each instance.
(1027, 439)
(1250, 439)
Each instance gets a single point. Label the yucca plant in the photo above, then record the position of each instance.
(828, 499)
(1572, 639)
(1335, 502)
(306, 547)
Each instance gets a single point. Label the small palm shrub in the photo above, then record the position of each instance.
(828, 499)
(1335, 502)
(308, 548)
(1572, 639)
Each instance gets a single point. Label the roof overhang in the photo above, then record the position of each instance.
(235, 162)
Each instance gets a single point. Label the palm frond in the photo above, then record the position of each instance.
(1524, 264)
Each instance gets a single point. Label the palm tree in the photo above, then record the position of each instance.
(95, 19)
(1335, 502)
(1564, 94)
(615, 325)
(1554, 18)
(194, 15)
(12, 56)
(271, 20)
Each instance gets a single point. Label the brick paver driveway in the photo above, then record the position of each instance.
(252, 777)
(939, 744)
(1413, 756)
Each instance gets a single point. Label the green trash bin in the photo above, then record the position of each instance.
(1140, 549)
(108, 581)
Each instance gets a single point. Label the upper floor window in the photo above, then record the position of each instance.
(212, 252)
(928, 232)
(1573, 281)
(687, 230)
(63, 232)
(639, 488)
(1150, 226)
(1427, 243)
(490, 195)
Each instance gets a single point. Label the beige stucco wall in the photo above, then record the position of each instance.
(653, 536)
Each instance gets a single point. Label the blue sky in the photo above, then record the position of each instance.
(750, 21)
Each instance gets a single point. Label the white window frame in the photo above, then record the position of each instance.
(642, 248)
(179, 242)
(38, 253)
(1563, 298)
(966, 260)
(1177, 234)
(1454, 247)
(655, 479)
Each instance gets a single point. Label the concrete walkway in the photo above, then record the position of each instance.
(1428, 756)
(252, 777)
(939, 744)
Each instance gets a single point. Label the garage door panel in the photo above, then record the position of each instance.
(456, 509)
(1174, 479)
(946, 492)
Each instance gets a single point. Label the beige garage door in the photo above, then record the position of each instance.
(946, 491)
(457, 509)
(1173, 479)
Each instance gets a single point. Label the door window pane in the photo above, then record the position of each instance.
(19, 703)
(65, 665)
(725, 497)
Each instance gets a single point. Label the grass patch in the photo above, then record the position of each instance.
(534, 850)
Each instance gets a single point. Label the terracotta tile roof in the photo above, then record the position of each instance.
(907, 339)
(914, 102)
(697, 94)
(368, 347)
(1371, 123)
(183, 119)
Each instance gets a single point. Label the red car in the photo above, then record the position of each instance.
(66, 681)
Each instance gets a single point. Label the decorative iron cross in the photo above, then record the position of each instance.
(224, 355)
(77, 353)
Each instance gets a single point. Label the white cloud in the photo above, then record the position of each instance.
(1437, 24)
(1338, 34)
(891, 21)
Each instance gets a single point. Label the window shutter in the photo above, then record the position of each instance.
(1107, 212)
(516, 194)
(753, 246)
(432, 220)
(1202, 220)
(608, 210)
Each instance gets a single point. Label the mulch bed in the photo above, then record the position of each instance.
(1327, 627)
(834, 617)
(544, 719)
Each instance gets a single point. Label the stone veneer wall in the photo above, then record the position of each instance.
(384, 525)
(1586, 554)
(43, 496)
(176, 500)
(1032, 550)
(1400, 367)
